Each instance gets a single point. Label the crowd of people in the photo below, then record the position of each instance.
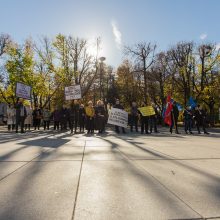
(77, 118)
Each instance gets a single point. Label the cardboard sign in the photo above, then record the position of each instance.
(23, 91)
(147, 111)
(73, 92)
(118, 117)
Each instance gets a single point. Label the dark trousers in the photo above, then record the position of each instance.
(144, 124)
(37, 123)
(56, 125)
(174, 124)
(134, 122)
(201, 124)
(46, 125)
(90, 125)
(153, 124)
(27, 126)
(117, 129)
(20, 122)
(188, 125)
(82, 124)
(63, 125)
(11, 127)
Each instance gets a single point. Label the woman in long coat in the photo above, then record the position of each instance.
(10, 117)
(100, 119)
(28, 119)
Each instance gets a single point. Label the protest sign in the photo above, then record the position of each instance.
(147, 111)
(73, 92)
(23, 91)
(118, 117)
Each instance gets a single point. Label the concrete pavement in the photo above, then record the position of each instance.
(46, 175)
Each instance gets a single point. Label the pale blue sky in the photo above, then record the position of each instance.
(164, 22)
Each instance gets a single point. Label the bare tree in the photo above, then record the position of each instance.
(143, 54)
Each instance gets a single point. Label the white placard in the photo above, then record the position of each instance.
(118, 117)
(23, 91)
(73, 92)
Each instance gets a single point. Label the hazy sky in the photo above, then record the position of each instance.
(117, 22)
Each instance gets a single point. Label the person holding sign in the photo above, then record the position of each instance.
(119, 106)
(134, 116)
(144, 118)
(90, 114)
(21, 114)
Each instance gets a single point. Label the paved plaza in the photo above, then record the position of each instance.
(51, 176)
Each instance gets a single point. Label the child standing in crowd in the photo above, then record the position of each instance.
(90, 114)
(10, 117)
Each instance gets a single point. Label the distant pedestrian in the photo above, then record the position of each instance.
(56, 118)
(144, 121)
(82, 116)
(100, 117)
(200, 119)
(37, 116)
(174, 118)
(28, 119)
(64, 117)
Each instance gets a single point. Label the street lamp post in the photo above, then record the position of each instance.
(102, 59)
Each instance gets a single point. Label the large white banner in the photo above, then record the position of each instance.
(118, 117)
(23, 91)
(73, 92)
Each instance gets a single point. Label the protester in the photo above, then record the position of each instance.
(187, 114)
(90, 114)
(144, 121)
(56, 118)
(74, 116)
(37, 116)
(46, 118)
(64, 117)
(174, 118)
(82, 116)
(28, 119)
(134, 117)
(10, 117)
(20, 115)
(118, 106)
(200, 119)
(100, 119)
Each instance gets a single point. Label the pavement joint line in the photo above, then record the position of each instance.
(157, 180)
(9, 174)
(78, 184)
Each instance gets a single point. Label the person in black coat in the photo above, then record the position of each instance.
(100, 118)
(153, 120)
(200, 119)
(37, 116)
(174, 118)
(134, 117)
(119, 106)
(64, 117)
(82, 117)
(21, 114)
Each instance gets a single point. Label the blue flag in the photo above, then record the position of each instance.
(192, 102)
